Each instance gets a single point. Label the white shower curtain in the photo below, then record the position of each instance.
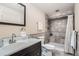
(69, 29)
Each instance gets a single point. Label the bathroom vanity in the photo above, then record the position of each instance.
(28, 47)
(34, 50)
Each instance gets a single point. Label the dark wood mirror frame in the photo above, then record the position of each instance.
(5, 23)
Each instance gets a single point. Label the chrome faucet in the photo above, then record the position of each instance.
(12, 38)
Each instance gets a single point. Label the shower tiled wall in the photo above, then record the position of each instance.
(58, 29)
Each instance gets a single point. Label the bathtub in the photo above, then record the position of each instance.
(55, 46)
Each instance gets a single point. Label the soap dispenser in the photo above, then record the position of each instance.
(23, 33)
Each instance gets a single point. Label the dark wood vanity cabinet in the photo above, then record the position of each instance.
(34, 50)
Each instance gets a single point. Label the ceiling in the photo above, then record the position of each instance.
(50, 8)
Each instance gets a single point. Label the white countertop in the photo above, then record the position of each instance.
(15, 47)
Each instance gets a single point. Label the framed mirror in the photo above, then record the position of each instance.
(13, 14)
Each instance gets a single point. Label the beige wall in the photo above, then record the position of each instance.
(77, 17)
(6, 30)
(33, 15)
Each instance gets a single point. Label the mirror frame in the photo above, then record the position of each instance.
(24, 24)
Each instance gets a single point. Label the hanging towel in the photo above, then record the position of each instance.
(73, 40)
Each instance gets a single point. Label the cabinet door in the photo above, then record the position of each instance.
(34, 50)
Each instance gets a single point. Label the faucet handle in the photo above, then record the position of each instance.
(10, 41)
(14, 41)
(13, 34)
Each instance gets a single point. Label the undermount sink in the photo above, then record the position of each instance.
(19, 40)
(26, 41)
